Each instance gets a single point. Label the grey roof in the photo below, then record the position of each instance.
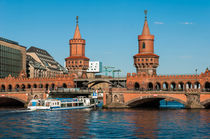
(47, 59)
(34, 63)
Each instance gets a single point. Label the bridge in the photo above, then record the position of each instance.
(124, 98)
(91, 82)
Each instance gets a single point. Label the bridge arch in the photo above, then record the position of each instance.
(11, 101)
(95, 82)
(206, 103)
(150, 98)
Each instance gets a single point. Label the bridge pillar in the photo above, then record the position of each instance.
(193, 101)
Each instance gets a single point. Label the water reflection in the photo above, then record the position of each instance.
(121, 123)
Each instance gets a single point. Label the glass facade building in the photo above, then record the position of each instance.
(11, 58)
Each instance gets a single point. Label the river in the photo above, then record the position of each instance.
(106, 123)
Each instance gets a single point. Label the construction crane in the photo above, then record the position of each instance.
(108, 69)
(113, 72)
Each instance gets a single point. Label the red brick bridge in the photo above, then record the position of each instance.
(19, 91)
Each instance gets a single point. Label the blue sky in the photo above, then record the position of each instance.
(111, 27)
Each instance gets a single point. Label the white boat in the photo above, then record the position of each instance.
(62, 103)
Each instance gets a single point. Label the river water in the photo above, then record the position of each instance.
(106, 123)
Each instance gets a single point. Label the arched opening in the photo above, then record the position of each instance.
(9, 88)
(207, 86)
(53, 86)
(181, 86)
(150, 86)
(165, 86)
(64, 85)
(136, 86)
(17, 87)
(157, 86)
(188, 85)
(143, 45)
(23, 87)
(6, 102)
(36, 97)
(173, 86)
(2, 88)
(156, 102)
(40, 85)
(29, 86)
(197, 85)
(47, 86)
(116, 98)
(34, 86)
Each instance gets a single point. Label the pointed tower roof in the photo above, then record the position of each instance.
(77, 34)
(146, 27)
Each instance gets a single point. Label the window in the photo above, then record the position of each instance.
(146, 59)
(151, 59)
(143, 45)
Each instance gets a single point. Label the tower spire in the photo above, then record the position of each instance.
(146, 27)
(77, 34)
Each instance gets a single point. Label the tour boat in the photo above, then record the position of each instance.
(62, 103)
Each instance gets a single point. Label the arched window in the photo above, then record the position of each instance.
(143, 45)
(136, 86)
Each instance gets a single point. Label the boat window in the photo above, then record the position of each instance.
(81, 104)
(69, 105)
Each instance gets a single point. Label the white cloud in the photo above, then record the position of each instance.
(187, 23)
(159, 23)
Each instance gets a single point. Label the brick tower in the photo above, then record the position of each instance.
(77, 62)
(146, 61)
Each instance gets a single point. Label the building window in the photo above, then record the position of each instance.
(151, 59)
(138, 59)
(142, 59)
(146, 59)
(143, 45)
(80, 62)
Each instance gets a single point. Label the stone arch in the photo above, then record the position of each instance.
(40, 85)
(3, 88)
(136, 86)
(116, 99)
(98, 82)
(64, 85)
(180, 86)
(206, 103)
(47, 86)
(17, 87)
(165, 86)
(29, 86)
(53, 86)
(157, 86)
(188, 85)
(173, 86)
(12, 101)
(207, 86)
(23, 87)
(143, 99)
(150, 86)
(34, 86)
(197, 85)
(9, 88)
